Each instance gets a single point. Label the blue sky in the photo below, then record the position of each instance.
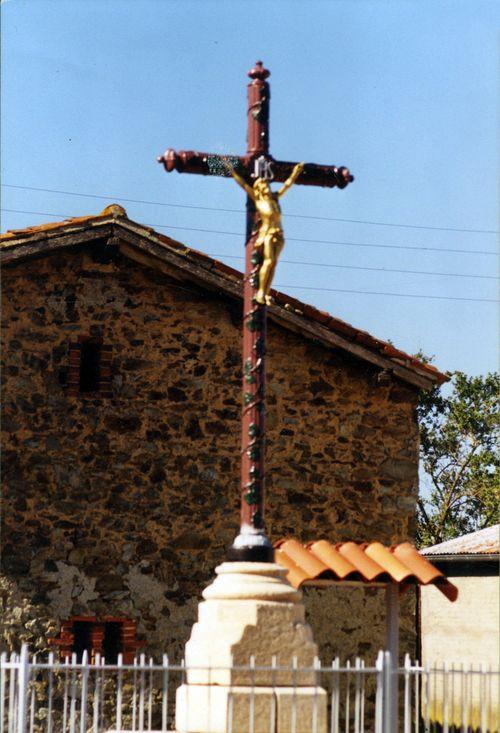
(403, 92)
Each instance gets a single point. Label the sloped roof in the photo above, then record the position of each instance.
(351, 562)
(144, 244)
(483, 542)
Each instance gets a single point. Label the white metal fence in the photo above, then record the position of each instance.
(49, 696)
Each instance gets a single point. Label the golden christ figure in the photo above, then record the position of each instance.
(270, 238)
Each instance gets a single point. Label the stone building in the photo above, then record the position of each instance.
(121, 381)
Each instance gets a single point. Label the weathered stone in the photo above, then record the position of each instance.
(176, 395)
(191, 540)
(123, 424)
(76, 557)
(398, 469)
(14, 564)
(320, 386)
(193, 429)
(108, 583)
(146, 547)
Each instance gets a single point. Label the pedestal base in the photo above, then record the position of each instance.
(250, 613)
(222, 709)
(250, 661)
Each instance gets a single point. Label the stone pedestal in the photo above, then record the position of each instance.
(251, 619)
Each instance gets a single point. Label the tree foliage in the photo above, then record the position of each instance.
(458, 451)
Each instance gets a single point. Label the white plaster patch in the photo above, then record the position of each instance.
(73, 583)
(145, 590)
(148, 595)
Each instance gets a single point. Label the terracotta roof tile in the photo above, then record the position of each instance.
(321, 316)
(296, 576)
(172, 242)
(333, 559)
(307, 561)
(365, 562)
(419, 566)
(388, 560)
(345, 329)
(363, 337)
(116, 213)
(223, 268)
(290, 302)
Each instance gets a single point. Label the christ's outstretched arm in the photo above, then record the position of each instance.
(240, 181)
(291, 180)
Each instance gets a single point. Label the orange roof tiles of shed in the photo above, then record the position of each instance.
(367, 562)
(16, 245)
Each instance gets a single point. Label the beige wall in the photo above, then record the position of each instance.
(466, 632)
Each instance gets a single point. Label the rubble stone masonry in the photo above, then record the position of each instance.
(122, 505)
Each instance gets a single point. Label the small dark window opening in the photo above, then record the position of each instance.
(107, 636)
(112, 645)
(90, 366)
(82, 638)
(63, 376)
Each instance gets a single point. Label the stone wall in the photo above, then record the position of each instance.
(124, 505)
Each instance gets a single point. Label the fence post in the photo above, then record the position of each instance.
(379, 697)
(392, 647)
(386, 708)
(22, 689)
(390, 697)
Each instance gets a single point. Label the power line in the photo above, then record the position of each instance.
(240, 211)
(395, 295)
(290, 239)
(359, 267)
(331, 290)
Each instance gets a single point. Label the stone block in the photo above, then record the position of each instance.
(220, 709)
(301, 709)
(250, 611)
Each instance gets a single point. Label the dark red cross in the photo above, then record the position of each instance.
(252, 544)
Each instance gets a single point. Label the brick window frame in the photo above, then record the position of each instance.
(128, 629)
(73, 382)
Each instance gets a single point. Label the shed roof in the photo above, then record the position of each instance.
(483, 542)
(144, 244)
(369, 563)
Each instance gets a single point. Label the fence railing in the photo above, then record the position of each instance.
(51, 696)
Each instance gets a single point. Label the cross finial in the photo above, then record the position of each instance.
(259, 72)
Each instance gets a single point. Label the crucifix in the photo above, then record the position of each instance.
(264, 241)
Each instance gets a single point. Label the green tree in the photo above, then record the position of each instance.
(458, 451)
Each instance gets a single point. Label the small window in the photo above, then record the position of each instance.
(90, 364)
(89, 371)
(108, 637)
(81, 638)
(112, 644)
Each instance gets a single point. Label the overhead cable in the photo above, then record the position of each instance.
(290, 239)
(238, 211)
(331, 290)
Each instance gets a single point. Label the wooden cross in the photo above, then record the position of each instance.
(251, 544)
